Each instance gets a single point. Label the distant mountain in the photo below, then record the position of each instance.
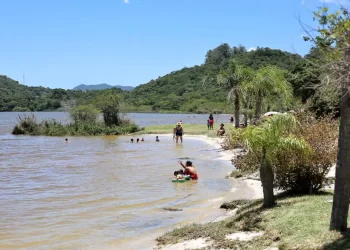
(84, 87)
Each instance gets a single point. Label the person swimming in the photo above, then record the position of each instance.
(157, 139)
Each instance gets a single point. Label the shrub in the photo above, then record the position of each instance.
(27, 124)
(84, 113)
(235, 140)
(307, 173)
(294, 169)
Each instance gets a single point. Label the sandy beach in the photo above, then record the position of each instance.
(241, 189)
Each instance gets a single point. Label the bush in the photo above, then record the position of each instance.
(235, 140)
(84, 113)
(27, 124)
(307, 173)
(296, 170)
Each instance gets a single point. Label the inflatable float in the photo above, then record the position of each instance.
(186, 178)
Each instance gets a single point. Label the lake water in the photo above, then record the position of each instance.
(94, 192)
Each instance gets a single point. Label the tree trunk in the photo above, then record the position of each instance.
(258, 106)
(341, 195)
(266, 176)
(237, 108)
(245, 120)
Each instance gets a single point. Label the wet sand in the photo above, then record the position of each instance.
(241, 189)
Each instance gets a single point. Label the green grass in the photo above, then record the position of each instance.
(189, 129)
(299, 222)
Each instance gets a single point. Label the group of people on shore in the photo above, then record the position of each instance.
(210, 124)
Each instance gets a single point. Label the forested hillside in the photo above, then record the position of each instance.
(184, 90)
(18, 97)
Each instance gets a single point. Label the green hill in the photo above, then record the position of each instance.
(184, 90)
(181, 90)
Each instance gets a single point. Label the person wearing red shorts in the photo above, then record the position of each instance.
(211, 121)
(190, 170)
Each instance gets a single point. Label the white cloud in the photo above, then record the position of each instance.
(126, 1)
(251, 49)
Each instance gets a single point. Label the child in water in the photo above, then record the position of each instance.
(179, 174)
(142, 139)
(157, 140)
(131, 140)
(137, 140)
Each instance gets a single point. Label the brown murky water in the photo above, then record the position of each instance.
(95, 191)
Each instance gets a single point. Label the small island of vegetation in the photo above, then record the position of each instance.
(84, 120)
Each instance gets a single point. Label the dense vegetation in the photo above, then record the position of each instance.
(183, 90)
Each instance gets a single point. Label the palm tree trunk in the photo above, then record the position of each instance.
(341, 196)
(245, 119)
(258, 106)
(237, 108)
(266, 176)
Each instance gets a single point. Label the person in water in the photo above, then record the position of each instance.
(221, 130)
(189, 170)
(211, 121)
(178, 132)
(131, 140)
(231, 119)
(142, 139)
(179, 174)
(157, 139)
(137, 140)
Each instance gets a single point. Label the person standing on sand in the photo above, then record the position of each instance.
(189, 170)
(211, 121)
(178, 132)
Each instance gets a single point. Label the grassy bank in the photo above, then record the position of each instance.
(190, 129)
(299, 222)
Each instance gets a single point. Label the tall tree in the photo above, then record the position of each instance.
(333, 40)
(234, 78)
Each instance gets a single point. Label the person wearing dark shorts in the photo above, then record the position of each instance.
(178, 132)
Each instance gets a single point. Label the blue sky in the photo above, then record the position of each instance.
(64, 43)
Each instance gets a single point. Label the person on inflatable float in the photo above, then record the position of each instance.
(190, 170)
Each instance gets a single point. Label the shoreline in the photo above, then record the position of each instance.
(242, 189)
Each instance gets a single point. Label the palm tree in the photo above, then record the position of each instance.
(269, 83)
(233, 79)
(265, 141)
